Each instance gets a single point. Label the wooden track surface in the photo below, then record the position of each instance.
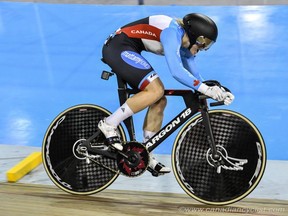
(43, 200)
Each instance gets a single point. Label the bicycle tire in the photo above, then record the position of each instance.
(67, 171)
(243, 158)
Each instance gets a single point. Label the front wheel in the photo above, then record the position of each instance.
(70, 171)
(229, 178)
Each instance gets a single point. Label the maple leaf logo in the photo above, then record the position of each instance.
(196, 82)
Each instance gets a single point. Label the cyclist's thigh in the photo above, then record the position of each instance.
(127, 62)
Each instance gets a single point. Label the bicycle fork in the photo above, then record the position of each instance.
(209, 133)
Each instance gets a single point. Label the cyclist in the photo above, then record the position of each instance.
(179, 40)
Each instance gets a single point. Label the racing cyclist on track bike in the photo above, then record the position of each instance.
(179, 40)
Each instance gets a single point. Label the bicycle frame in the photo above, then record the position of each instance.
(198, 163)
(193, 103)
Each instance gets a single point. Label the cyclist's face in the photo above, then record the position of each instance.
(194, 49)
(204, 43)
(198, 46)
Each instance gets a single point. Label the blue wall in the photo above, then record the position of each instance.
(50, 60)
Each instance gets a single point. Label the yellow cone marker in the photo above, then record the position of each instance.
(23, 167)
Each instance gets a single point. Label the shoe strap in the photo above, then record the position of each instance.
(112, 140)
(158, 167)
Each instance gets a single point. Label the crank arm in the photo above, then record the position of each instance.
(88, 141)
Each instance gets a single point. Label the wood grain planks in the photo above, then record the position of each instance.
(43, 200)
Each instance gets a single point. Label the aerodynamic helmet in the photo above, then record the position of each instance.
(200, 29)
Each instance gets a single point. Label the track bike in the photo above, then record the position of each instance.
(218, 156)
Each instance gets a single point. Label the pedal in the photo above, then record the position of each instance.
(115, 143)
(153, 172)
(156, 173)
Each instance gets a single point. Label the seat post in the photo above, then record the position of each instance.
(124, 93)
(122, 90)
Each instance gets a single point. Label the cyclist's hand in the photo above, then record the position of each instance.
(228, 98)
(214, 92)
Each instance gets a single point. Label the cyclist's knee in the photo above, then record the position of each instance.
(158, 94)
(155, 90)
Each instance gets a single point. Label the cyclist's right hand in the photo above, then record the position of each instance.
(214, 92)
(228, 98)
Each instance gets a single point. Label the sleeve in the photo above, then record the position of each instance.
(182, 67)
(189, 63)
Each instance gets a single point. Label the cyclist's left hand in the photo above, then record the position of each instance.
(228, 98)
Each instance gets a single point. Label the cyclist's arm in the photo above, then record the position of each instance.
(171, 39)
(189, 63)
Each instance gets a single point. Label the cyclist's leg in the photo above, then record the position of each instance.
(154, 117)
(123, 56)
(149, 97)
(152, 124)
(152, 97)
(125, 59)
(152, 93)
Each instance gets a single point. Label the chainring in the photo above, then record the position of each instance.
(133, 160)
